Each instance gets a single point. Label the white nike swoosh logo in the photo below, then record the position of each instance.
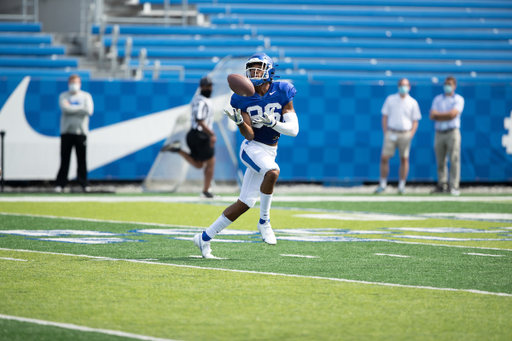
(272, 93)
(31, 155)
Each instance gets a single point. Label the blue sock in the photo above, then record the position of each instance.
(205, 237)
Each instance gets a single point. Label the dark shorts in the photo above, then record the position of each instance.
(199, 144)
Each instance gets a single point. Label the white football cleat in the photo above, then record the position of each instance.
(266, 232)
(206, 251)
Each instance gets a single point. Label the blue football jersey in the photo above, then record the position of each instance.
(278, 96)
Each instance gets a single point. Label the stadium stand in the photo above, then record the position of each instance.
(325, 39)
(24, 51)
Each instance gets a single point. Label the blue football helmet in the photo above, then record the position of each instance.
(267, 66)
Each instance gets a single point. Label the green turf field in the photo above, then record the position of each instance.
(341, 270)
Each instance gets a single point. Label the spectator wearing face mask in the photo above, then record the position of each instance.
(400, 116)
(201, 138)
(445, 112)
(76, 106)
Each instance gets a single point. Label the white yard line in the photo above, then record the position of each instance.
(483, 254)
(284, 198)
(202, 227)
(277, 274)
(82, 328)
(385, 254)
(19, 260)
(300, 256)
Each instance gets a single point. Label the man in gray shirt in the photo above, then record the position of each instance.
(76, 106)
(445, 112)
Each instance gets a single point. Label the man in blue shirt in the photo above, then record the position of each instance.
(261, 119)
(445, 112)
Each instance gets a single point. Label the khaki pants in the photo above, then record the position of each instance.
(448, 144)
(394, 140)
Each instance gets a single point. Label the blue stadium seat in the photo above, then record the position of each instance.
(19, 27)
(401, 3)
(291, 20)
(31, 50)
(343, 53)
(25, 39)
(264, 9)
(38, 62)
(193, 30)
(163, 41)
(21, 72)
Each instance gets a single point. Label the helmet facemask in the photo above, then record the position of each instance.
(252, 69)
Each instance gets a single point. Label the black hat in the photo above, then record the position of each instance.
(205, 81)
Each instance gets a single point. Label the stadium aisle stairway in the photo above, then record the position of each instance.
(24, 51)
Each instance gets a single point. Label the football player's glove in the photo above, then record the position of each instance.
(266, 119)
(236, 116)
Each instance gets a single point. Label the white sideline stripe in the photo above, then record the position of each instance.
(385, 254)
(276, 274)
(302, 256)
(483, 254)
(20, 260)
(284, 198)
(204, 227)
(82, 328)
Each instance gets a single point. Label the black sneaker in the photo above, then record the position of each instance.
(440, 189)
(172, 147)
(208, 195)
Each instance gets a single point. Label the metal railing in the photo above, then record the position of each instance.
(156, 67)
(24, 16)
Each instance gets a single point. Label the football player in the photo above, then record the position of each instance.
(261, 119)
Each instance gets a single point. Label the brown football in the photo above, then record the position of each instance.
(240, 85)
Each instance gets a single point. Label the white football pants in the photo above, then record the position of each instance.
(259, 158)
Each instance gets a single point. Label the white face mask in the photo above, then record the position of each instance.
(74, 87)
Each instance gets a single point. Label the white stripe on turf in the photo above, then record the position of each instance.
(483, 254)
(284, 198)
(385, 254)
(190, 226)
(300, 256)
(82, 328)
(19, 260)
(276, 274)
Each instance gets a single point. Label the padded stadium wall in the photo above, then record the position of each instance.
(340, 134)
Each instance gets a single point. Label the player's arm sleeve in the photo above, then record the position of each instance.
(290, 126)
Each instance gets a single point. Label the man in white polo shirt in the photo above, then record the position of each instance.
(400, 116)
(446, 110)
